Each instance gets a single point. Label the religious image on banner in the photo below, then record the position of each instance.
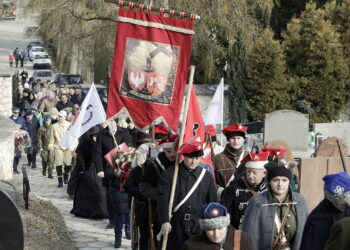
(149, 71)
(150, 67)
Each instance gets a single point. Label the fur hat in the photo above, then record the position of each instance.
(256, 161)
(235, 129)
(213, 215)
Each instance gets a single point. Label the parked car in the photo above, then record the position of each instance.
(8, 10)
(42, 61)
(34, 44)
(36, 51)
(68, 79)
(43, 75)
(101, 90)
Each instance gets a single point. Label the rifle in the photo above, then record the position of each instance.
(134, 229)
(151, 245)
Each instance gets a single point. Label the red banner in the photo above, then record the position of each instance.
(150, 67)
(195, 128)
(195, 131)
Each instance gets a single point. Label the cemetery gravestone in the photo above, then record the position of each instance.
(289, 126)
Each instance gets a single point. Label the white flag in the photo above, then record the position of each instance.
(214, 114)
(91, 113)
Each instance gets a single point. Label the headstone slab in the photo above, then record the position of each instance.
(289, 126)
(11, 229)
(340, 130)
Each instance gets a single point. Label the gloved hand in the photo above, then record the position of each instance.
(101, 174)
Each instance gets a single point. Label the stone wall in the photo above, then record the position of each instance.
(7, 147)
(5, 93)
(7, 127)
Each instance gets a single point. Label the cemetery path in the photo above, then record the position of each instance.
(87, 234)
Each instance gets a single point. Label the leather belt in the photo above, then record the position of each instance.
(184, 216)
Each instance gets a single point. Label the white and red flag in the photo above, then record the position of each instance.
(90, 114)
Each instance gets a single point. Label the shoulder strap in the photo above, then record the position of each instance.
(191, 191)
(238, 163)
(251, 190)
(237, 240)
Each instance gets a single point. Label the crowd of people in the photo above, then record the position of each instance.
(249, 201)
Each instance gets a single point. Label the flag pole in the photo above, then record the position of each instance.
(222, 110)
(176, 169)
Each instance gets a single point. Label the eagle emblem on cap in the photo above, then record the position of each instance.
(256, 158)
(215, 212)
(240, 126)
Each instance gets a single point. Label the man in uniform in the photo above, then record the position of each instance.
(227, 162)
(153, 168)
(44, 136)
(235, 197)
(195, 188)
(62, 156)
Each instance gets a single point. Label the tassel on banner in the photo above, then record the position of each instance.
(161, 11)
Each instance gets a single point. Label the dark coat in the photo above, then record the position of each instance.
(32, 128)
(205, 193)
(132, 187)
(104, 144)
(152, 170)
(235, 198)
(201, 242)
(132, 184)
(77, 99)
(259, 221)
(120, 199)
(318, 225)
(225, 165)
(129, 136)
(60, 105)
(339, 237)
(89, 198)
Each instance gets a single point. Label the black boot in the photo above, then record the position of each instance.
(65, 178)
(117, 243)
(128, 235)
(66, 174)
(60, 182)
(59, 175)
(33, 165)
(44, 171)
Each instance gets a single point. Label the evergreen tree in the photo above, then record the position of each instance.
(236, 77)
(315, 60)
(338, 13)
(267, 87)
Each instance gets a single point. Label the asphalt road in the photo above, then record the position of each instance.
(12, 36)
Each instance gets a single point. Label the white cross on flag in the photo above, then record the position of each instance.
(91, 113)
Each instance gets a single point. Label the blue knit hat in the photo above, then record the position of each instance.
(337, 188)
(213, 215)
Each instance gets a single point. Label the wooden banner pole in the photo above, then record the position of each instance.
(176, 170)
(136, 5)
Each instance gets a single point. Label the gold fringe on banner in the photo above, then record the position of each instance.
(155, 25)
(161, 11)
